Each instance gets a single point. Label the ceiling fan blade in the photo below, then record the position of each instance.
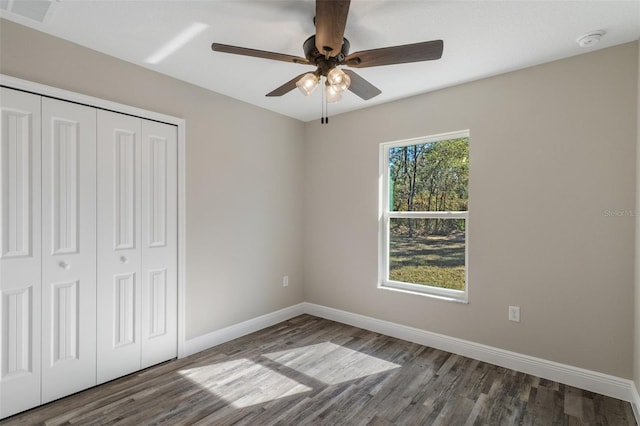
(285, 88)
(425, 51)
(245, 51)
(331, 19)
(361, 87)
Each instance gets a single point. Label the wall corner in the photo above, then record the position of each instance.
(636, 334)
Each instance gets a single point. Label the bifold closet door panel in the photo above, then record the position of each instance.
(68, 248)
(119, 242)
(20, 251)
(159, 242)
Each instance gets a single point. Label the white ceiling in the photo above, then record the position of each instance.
(481, 38)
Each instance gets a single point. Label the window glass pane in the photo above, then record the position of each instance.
(430, 176)
(428, 251)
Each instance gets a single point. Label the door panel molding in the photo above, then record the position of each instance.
(64, 175)
(17, 182)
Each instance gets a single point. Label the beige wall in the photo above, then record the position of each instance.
(636, 354)
(552, 149)
(244, 216)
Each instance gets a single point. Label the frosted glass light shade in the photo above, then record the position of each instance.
(308, 83)
(338, 79)
(332, 94)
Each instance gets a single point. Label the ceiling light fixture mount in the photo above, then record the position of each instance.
(336, 80)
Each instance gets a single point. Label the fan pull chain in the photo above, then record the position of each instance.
(326, 111)
(325, 105)
(321, 103)
(322, 121)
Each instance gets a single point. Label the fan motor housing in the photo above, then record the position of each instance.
(323, 63)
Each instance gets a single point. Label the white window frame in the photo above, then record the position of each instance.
(385, 215)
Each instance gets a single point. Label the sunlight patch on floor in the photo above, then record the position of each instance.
(331, 363)
(243, 383)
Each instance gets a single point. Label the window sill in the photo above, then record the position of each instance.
(444, 294)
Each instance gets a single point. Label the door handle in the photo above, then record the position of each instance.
(64, 265)
(124, 259)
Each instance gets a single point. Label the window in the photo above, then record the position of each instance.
(423, 215)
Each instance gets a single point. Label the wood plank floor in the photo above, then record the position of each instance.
(311, 371)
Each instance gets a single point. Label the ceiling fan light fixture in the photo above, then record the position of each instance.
(332, 95)
(338, 79)
(328, 50)
(308, 83)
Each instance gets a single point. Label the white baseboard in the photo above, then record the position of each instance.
(635, 403)
(226, 334)
(603, 384)
(593, 381)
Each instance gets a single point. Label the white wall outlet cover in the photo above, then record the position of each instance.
(514, 313)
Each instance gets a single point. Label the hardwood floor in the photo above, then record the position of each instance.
(311, 371)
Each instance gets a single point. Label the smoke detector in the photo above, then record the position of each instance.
(590, 39)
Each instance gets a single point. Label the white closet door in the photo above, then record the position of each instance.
(68, 248)
(20, 256)
(119, 242)
(159, 242)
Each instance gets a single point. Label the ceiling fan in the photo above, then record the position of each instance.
(327, 50)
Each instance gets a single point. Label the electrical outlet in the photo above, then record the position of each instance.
(514, 313)
(285, 281)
